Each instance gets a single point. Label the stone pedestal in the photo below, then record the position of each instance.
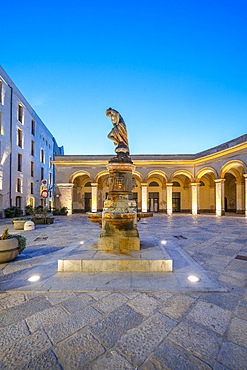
(119, 216)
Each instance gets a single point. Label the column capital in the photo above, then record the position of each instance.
(194, 184)
(144, 184)
(95, 184)
(65, 185)
(245, 175)
(169, 184)
(220, 180)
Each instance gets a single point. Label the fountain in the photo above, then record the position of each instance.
(119, 217)
(119, 247)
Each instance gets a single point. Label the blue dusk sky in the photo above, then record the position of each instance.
(176, 70)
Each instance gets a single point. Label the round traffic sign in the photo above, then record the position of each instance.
(44, 194)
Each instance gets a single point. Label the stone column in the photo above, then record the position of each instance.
(94, 189)
(194, 187)
(144, 187)
(245, 194)
(169, 197)
(219, 193)
(65, 190)
(239, 196)
(198, 198)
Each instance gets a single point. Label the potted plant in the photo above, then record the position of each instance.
(40, 217)
(10, 246)
(60, 211)
(29, 210)
(19, 222)
(13, 212)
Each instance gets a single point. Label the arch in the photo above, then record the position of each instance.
(232, 166)
(155, 179)
(138, 175)
(205, 171)
(79, 173)
(157, 172)
(100, 174)
(182, 172)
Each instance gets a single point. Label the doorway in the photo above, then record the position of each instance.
(176, 201)
(88, 197)
(153, 202)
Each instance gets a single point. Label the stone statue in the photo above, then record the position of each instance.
(118, 133)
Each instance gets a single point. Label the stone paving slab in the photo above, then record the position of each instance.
(137, 321)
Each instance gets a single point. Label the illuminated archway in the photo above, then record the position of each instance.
(204, 171)
(156, 187)
(232, 172)
(79, 173)
(236, 167)
(181, 172)
(81, 197)
(206, 189)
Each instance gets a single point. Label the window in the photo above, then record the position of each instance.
(1, 92)
(32, 148)
(50, 178)
(32, 169)
(1, 124)
(19, 185)
(19, 165)
(19, 138)
(20, 113)
(50, 162)
(153, 183)
(42, 173)
(31, 188)
(33, 127)
(18, 202)
(42, 156)
(175, 183)
(32, 202)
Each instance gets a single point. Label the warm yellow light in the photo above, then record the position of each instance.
(34, 278)
(193, 278)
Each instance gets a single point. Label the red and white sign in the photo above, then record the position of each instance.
(44, 194)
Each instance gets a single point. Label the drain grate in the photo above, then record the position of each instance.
(243, 258)
(179, 237)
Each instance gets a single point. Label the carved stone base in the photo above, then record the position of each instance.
(119, 243)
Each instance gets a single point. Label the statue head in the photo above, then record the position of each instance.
(114, 115)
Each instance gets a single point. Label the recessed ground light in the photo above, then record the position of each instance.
(34, 278)
(193, 278)
(163, 242)
(82, 242)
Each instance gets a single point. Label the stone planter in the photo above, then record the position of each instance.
(19, 224)
(41, 220)
(9, 250)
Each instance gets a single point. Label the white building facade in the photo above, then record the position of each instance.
(27, 149)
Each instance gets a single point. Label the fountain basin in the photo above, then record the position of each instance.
(95, 217)
(144, 215)
(119, 219)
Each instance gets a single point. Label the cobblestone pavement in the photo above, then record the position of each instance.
(133, 328)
